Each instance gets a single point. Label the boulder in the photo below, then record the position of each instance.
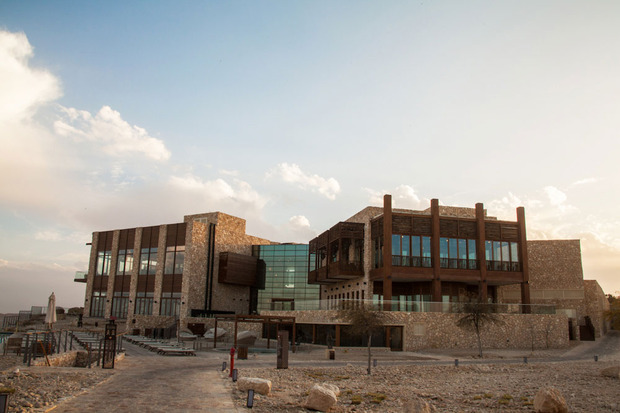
(261, 386)
(246, 338)
(210, 333)
(417, 406)
(320, 398)
(550, 400)
(332, 387)
(613, 372)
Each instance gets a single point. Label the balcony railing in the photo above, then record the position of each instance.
(407, 261)
(503, 266)
(421, 306)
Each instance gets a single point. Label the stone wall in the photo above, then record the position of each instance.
(596, 305)
(439, 330)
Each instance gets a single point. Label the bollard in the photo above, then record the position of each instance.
(374, 362)
(250, 402)
(456, 362)
(232, 361)
(525, 360)
(223, 365)
(595, 358)
(234, 375)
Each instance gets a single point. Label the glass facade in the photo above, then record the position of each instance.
(286, 277)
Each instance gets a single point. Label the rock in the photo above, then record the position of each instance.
(261, 386)
(320, 398)
(613, 372)
(332, 387)
(417, 406)
(550, 400)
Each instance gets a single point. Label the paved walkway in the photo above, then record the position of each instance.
(145, 382)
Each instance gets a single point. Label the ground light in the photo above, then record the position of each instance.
(250, 402)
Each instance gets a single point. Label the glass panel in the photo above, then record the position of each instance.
(497, 251)
(179, 261)
(415, 246)
(471, 244)
(514, 252)
(453, 251)
(488, 250)
(443, 248)
(169, 263)
(395, 244)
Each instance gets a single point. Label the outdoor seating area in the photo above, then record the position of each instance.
(160, 347)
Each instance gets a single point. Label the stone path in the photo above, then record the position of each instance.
(145, 382)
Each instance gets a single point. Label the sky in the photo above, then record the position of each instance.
(296, 115)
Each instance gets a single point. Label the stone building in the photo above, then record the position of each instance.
(417, 265)
(154, 276)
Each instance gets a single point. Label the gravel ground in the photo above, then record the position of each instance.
(469, 388)
(36, 388)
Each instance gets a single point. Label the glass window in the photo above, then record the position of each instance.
(471, 244)
(405, 245)
(125, 262)
(148, 260)
(443, 248)
(395, 244)
(415, 246)
(488, 250)
(453, 251)
(103, 262)
(505, 251)
(514, 252)
(497, 251)
(462, 249)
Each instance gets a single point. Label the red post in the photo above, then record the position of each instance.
(232, 360)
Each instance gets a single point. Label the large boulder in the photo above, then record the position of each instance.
(417, 406)
(210, 334)
(261, 386)
(332, 387)
(320, 398)
(613, 372)
(550, 400)
(246, 338)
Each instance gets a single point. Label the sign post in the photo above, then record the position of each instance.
(282, 351)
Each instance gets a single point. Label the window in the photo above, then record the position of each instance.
(97, 304)
(170, 304)
(120, 304)
(426, 252)
(458, 253)
(103, 263)
(144, 303)
(148, 260)
(175, 259)
(125, 262)
(502, 256)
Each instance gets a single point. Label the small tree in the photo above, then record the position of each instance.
(364, 320)
(476, 315)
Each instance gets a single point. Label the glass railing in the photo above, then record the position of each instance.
(80, 277)
(422, 306)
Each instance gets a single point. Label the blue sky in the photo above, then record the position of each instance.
(295, 115)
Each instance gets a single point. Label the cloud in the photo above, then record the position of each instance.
(108, 129)
(292, 173)
(585, 181)
(403, 196)
(23, 88)
(299, 221)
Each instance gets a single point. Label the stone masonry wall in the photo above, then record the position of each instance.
(439, 330)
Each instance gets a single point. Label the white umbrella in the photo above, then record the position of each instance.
(50, 316)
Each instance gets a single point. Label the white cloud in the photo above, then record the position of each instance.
(556, 196)
(229, 172)
(299, 221)
(115, 135)
(403, 196)
(292, 173)
(23, 88)
(585, 181)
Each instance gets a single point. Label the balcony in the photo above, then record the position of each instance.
(80, 277)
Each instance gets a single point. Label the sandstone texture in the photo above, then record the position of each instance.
(320, 398)
(550, 400)
(260, 386)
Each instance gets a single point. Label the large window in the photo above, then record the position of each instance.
(458, 253)
(97, 304)
(125, 262)
(120, 304)
(502, 256)
(411, 251)
(170, 304)
(175, 259)
(148, 260)
(144, 303)
(103, 263)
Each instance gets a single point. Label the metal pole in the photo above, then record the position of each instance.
(26, 348)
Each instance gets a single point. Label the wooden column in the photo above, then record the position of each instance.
(435, 238)
(525, 282)
(387, 250)
(481, 252)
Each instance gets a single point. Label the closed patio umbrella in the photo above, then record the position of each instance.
(50, 316)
